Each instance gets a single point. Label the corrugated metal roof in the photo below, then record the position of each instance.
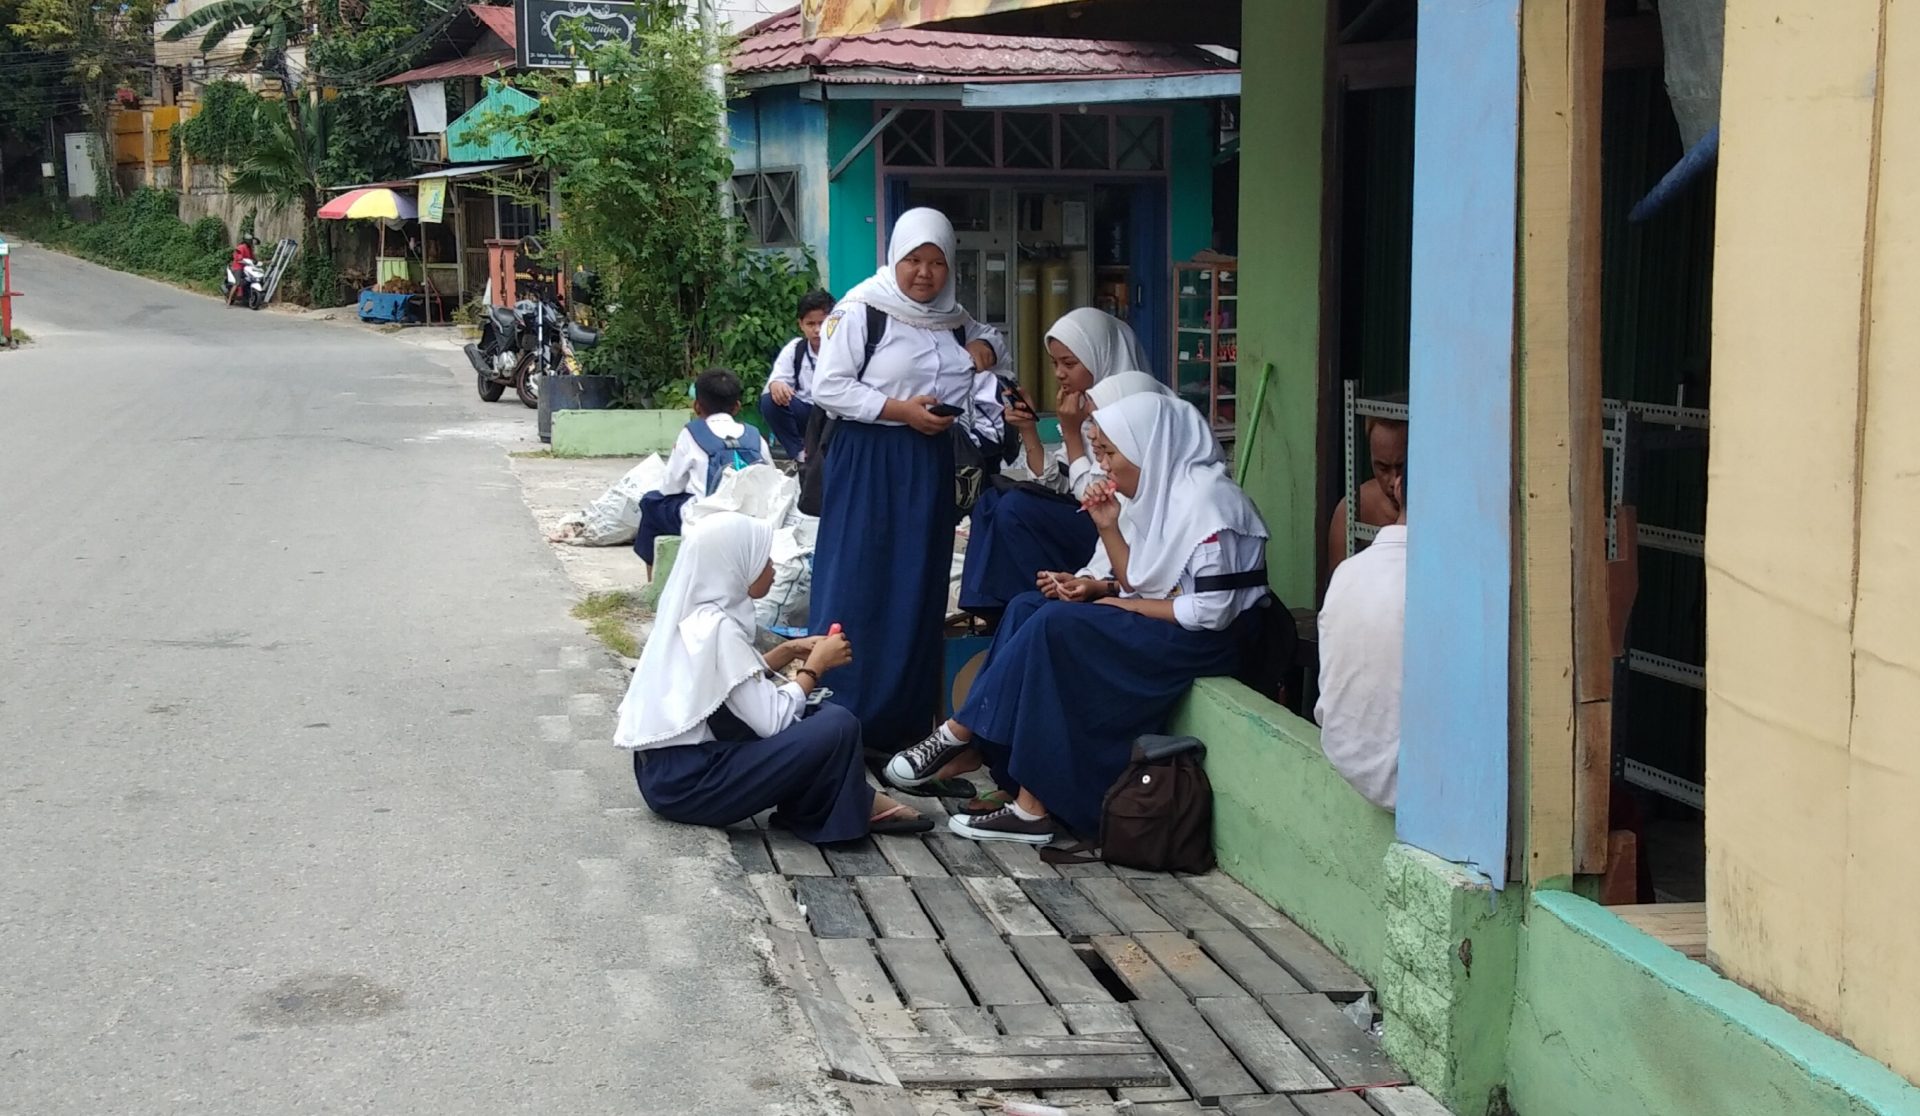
(473, 65)
(499, 20)
(776, 43)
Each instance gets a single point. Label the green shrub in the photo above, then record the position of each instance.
(141, 233)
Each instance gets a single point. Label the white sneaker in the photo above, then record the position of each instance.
(917, 766)
(1004, 825)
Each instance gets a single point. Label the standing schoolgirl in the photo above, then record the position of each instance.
(1018, 531)
(716, 736)
(1069, 685)
(884, 556)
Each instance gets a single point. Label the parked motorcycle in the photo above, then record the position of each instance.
(519, 346)
(248, 288)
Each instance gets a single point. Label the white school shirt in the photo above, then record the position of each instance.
(687, 467)
(1228, 552)
(1363, 627)
(783, 373)
(1057, 475)
(908, 361)
(767, 707)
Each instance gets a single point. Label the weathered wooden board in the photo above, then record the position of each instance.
(1406, 1100)
(1247, 963)
(1167, 1108)
(1180, 904)
(1307, 959)
(993, 1046)
(1118, 902)
(1199, 1059)
(750, 850)
(1070, 911)
(1059, 971)
(1231, 898)
(1189, 966)
(1136, 969)
(831, 907)
(956, 1022)
(961, 856)
(1099, 1019)
(1022, 862)
(894, 910)
(1038, 1019)
(872, 1100)
(909, 855)
(795, 857)
(925, 976)
(992, 973)
(865, 986)
(1007, 907)
(1331, 1104)
(856, 858)
(951, 908)
(1261, 1106)
(850, 1054)
(1350, 1055)
(1262, 1047)
(1092, 1071)
(776, 895)
(1090, 868)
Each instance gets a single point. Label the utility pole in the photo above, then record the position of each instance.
(709, 18)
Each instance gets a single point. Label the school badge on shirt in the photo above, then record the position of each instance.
(832, 323)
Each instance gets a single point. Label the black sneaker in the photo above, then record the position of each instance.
(916, 767)
(1004, 825)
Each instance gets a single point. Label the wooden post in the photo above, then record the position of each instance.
(146, 144)
(1566, 707)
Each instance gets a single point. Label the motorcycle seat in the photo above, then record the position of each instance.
(504, 319)
(581, 336)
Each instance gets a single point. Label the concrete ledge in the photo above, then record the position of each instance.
(616, 433)
(1287, 825)
(1610, 1022)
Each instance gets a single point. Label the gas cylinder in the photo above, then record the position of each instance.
(1056, 298)
(1029, 349)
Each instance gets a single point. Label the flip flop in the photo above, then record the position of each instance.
(986, 803)
(897, 820)
(947, 788)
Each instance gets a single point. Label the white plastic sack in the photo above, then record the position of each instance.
(760, 491)
(613, 519)
(786, 604)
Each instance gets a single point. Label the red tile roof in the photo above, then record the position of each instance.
(498, 19)
(472, 65)
(775, 43)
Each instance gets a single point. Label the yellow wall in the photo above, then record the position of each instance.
(1813, 544)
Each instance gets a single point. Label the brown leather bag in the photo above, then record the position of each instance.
(1158, 816)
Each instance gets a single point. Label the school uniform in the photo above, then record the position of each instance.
(715, 736)
(662, 509)
(1017, 532)
(1363, 628)
(794, 367)
(884, 555)
(1069, 686)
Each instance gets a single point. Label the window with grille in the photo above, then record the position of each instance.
(517, 222)
(1141, 142)
(769, 203)
(1026, 140)
(910, 140)
(1083, 141)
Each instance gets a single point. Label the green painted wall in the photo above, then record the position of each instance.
(1287, 825)
(853, 220)
(1190, 181)
(616, 433)
(1282, 112)
(1609, 1022)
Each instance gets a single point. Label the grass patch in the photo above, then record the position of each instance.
(539, 454)
(20, 337)
(141, 234)
(609, 617)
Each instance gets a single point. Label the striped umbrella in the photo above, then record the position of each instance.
(373, 203)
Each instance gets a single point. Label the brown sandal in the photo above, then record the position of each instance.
(899, 819)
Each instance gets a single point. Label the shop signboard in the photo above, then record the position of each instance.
(543, 23)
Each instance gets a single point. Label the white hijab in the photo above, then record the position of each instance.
(1185, 495)
(1119, 385)
(1102, 342)
(702, 642)
(882, 291)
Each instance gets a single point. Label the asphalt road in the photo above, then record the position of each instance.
(292, 815)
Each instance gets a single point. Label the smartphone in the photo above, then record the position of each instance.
(945, 410)
(1014, 395)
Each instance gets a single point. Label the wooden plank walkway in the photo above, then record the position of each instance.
(929, 965)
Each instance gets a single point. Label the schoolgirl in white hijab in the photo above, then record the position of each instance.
(1087, 347)
(717, 736)
(884, 555)
(1069, 684)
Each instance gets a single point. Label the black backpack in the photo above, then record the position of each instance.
(1158, 815)
(973, 463)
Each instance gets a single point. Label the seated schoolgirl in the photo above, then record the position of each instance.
(716, 735)
(1018, 531)
(714, 444)
(1070, 684)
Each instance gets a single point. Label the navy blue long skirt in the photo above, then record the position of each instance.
(659, 515)
(881, 569)
(1015, 535)
(811, 773)
(1067, 689)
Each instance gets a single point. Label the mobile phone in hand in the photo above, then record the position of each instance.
(1014, 396)
(945, 410)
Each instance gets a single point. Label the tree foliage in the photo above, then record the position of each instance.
(101, 45)
(638, 164)
(271, 25)
(226, 126)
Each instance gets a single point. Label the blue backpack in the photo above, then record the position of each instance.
(725, 454)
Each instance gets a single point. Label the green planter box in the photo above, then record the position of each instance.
(616, 433)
